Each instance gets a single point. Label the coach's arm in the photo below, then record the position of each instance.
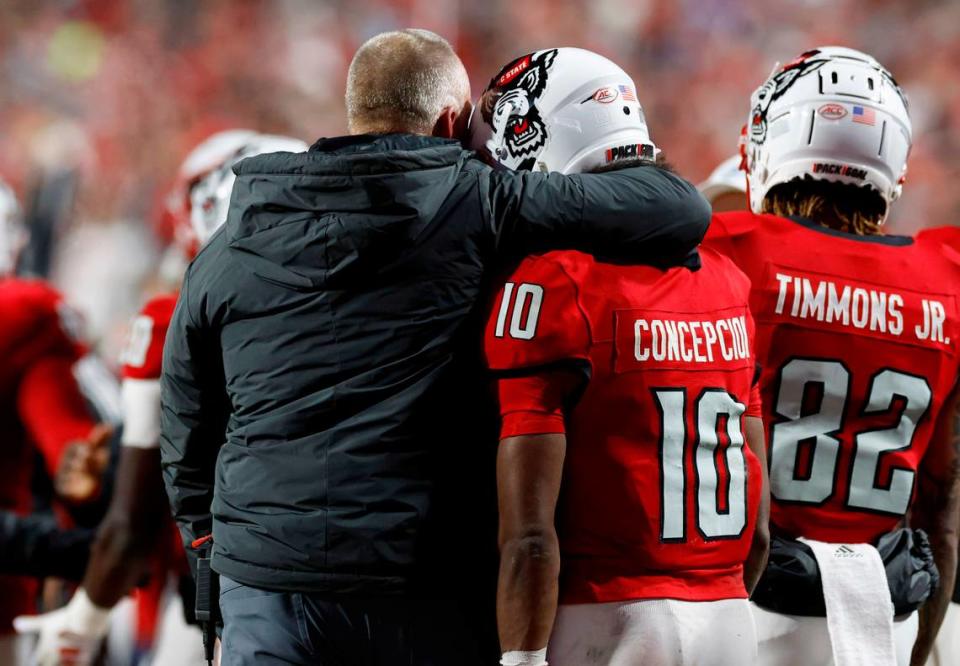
(641, 214)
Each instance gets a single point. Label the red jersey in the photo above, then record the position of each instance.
(949, 236)
(660, 495)
(41, 406)
(857, 337)
(143, 356)
(142, 361)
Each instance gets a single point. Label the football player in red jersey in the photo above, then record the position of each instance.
(138, 525)
(629, 412)
(42, 408)
(857, 335)
(946, 649)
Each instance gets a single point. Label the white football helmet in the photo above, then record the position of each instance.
(205, 157)
(728, 177)
(13, 234)
(566, 110)
(210, 195)
(832, 114)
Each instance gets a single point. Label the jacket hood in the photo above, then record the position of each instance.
(347, 206)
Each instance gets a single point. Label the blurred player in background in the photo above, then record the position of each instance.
(138, 530)
(42, 407)
(946, 649)
(726, 187)
(635, 385)
(858, 335)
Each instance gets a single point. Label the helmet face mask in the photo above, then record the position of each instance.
(832, 114)
(201, 198)
(566, 110)
(209, 200)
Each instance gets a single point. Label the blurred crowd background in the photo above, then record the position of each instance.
(101, 99)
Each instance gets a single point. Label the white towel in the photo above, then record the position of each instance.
(859, 609)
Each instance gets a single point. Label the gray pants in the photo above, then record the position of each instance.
(263, 627)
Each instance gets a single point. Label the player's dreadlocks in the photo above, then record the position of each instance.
(840, 206)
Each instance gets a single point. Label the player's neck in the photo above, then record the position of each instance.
(824, 212)
(845, 225)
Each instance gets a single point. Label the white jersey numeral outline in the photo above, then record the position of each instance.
(521, 328)
(865, 490)
(713, 523)
(138, 341)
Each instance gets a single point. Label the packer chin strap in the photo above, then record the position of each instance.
(208, 596)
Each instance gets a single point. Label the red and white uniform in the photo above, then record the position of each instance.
(660, 494)
(142, 365)
(857, 337)
(858, 340)
(947, 648)
(41, 406)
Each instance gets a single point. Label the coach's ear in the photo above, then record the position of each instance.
(453, 122)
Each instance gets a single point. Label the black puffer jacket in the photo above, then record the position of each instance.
(321, 362)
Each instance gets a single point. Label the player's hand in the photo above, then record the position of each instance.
(80, 472)
(68, 636)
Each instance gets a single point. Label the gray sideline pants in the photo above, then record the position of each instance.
(264, 627)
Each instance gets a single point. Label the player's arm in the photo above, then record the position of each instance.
(755, 437)
(642, 213)
(536, 338)
(937, 510)
(130, 530)
(118, 560)
(760, 546)
(52, 408)
(529, 470)
(132, 525)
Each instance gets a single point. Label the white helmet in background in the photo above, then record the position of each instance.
(727, 178)
(205, 157)
(13, 234)
(832, 114)
(566, 110)
(210, 195)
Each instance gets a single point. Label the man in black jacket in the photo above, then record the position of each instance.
(324, 408)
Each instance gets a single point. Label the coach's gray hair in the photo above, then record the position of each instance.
(401, 81)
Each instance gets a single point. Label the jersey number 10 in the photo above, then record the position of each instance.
(718, 516)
